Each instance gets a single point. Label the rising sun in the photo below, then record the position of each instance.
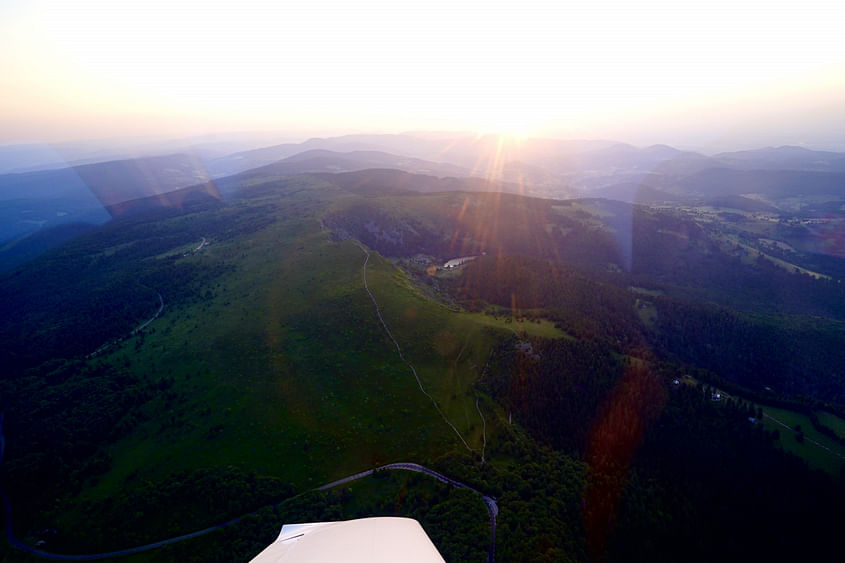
(510, 127)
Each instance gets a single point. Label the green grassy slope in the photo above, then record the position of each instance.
(269, 372)
(818, 450)
(281, 368)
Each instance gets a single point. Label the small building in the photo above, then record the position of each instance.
(421, 259)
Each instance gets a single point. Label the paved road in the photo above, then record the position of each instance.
(489, 502)
(492, 509)
(14, 541)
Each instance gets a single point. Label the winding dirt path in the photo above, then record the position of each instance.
(399, 349)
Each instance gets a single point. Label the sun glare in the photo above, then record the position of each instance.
(509, 123)
(513, 133)
(527, 69)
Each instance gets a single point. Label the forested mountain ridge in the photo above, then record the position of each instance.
(265, 372)
(785, 181)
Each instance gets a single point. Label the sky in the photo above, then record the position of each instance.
(695, 74)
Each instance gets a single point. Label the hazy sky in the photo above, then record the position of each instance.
(694, 73)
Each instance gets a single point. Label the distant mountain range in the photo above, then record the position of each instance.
(784, 158)
(319, 160)
(108, 182)
(91, 193)
(765, 180)
(31, 157)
